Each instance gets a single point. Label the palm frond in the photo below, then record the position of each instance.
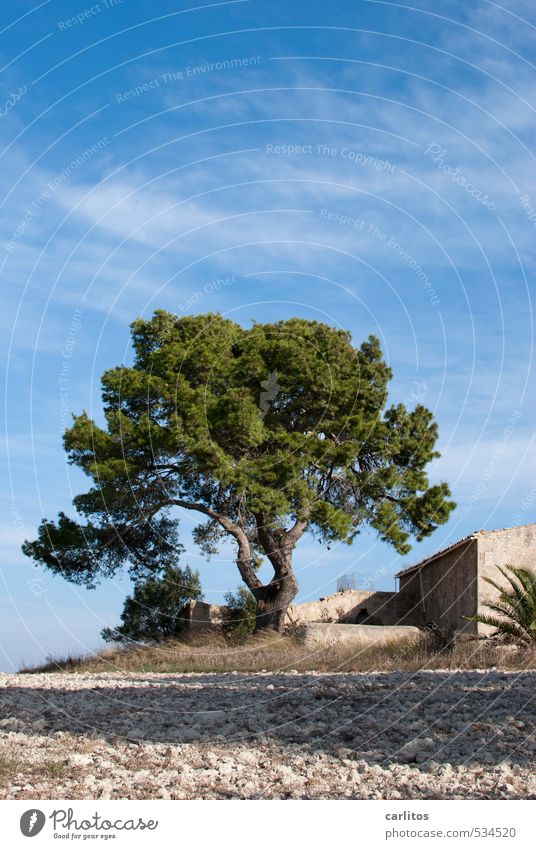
(515, 607)
(502, 626)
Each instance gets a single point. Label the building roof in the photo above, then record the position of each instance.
(454, 545)
(437, 554)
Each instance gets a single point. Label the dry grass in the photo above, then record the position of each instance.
(8, 764)
(211, 652)
(54, 769)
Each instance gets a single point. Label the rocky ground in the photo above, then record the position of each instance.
(434, 735)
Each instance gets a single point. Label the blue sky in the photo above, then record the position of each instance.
(366, 164)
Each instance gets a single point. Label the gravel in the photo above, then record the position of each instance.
(433, 735)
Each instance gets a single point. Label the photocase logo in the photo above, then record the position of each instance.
(271, 391)
(32, 822)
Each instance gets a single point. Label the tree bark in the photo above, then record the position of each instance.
(273, 600)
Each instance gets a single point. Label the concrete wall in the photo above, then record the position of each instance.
(444, 590)
(359, 636)
(513, 546)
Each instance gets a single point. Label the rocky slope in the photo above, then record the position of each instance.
(394, 736)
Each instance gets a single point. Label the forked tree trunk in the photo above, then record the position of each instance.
(273, 600)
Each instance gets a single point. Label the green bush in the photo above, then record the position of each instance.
(153, 612)
(239, 618)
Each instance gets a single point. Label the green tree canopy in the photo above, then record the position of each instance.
(266, 432)
(154, 611)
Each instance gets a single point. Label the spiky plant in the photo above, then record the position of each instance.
(513, 614)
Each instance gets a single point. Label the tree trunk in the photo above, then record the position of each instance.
(273, 601)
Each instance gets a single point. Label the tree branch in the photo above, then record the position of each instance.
(244, 560)
(297, 530)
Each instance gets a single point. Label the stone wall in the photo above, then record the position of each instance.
(514, 546)
(355, 607)
(365, 607)
(198, 615)
(452, 585)
(444, 590)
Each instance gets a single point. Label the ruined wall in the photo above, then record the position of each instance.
(198, 615)
(445, 590)
(514, 546)
(365, 607)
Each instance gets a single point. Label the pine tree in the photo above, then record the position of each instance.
(267, 433)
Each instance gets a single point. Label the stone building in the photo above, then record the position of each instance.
(440, 590)
(449, 585)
